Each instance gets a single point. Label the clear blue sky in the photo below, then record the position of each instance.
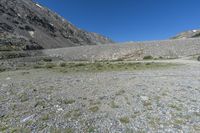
(130, 20)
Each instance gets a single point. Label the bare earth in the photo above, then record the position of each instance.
(162, 100)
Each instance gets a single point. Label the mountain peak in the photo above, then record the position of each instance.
(28, 25)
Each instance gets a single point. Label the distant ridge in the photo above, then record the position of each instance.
(188, 34)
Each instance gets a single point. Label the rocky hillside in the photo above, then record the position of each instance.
(26, 25)
(188, 34)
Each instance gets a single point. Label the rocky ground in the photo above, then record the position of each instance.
(133, 100)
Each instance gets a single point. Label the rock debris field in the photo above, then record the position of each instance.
(119, 101)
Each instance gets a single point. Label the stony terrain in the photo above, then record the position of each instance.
(143, 99)
(130, 51)
(132, 87)
(26, 25)
(188, 34)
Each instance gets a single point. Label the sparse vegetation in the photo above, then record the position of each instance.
(46, 59)
(62, 64)
(175, 106)
(178, 121)
(198, 58)
(94, 109)
(147, 103)
(45, 117)
(23, 97)
(148, 57)
(120, 92)
(74, 114)
(124, 120)
(50, 65)
(2, 69)
(69, 101)
(113, 105)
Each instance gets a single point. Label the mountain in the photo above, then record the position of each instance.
(26, 25)
(188, 34)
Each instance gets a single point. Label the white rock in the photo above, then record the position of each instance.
(8, 78)
(27, 118)
(59, 109)
(31, 33)
(144, 98)
(39, 6)
(4, 85)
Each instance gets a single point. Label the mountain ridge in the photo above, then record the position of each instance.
(188, 34)
(26, 25)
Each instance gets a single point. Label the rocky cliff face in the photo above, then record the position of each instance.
(188, 34)
(26, 25)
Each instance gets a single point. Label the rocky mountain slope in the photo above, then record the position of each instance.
(26, 25)
(188, 34)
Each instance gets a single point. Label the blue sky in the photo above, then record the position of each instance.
(130, 20)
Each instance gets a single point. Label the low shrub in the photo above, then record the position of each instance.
(198, 58)
(149, 57)
(47, 59)
(62, 64)
(50, 65)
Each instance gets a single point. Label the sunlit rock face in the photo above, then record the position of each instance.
(33, 26)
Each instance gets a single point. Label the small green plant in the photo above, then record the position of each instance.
(94, 109)
(23, 97)
(196, 127)
(91, 129)
(198, 58)
(124, 120)
(40, 103)
(47, 59)
(113, 105)
(74, 114)
(50, 65)
(3, 128)
(45, 117)
(120, 92)
(147, 103)
(70, 101)
(62, 64)
(174, 106)
(148, 57)
(2, 69)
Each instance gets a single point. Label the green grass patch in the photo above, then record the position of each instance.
(70, 101)
(94, 109)
(148, 57)
(106, 66)
(124, 120)
(120, 92)
(114, 105)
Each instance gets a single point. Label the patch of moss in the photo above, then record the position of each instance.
(124, 120)
(175, 106)
(69, 101)
(109, 66)
(45, 117)
(113, 105)
(50, 65)
(91, 129)
(94, 109)
(74, 114)
(23, 97)
(148, 57)
(120, 92)
(196, 127)
(47, 59)
(147, 103)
